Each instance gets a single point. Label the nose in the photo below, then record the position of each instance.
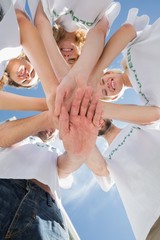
(66, 55)
(27, 75)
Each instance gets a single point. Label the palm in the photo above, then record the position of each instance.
(79, 129)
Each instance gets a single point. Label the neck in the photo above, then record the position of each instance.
(126, 80)
(111, 134)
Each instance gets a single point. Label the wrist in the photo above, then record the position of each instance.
(43, 122)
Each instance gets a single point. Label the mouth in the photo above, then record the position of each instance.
(111, 84)
(23, 73)
(66, 50)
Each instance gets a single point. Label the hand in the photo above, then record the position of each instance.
(139, 22)
(65, 91)
(79, 129)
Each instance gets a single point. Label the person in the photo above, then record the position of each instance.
(31, 211)
(33, 42)
(44, 17)
(113, 84)
(19, 73)
(133, 162)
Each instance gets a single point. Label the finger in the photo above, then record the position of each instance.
(92, 108)
(86, 101)
(60, 95)
(63, 122)
(97, 118)
(76, 103)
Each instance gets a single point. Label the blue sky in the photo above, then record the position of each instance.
(97, 215)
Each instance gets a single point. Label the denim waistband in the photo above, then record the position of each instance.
(30, 185)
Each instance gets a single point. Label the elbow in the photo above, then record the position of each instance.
(130, 30)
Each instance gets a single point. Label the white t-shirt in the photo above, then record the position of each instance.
(74, 14)
(10, 37)
(143, 60)
(133, 160)
(10, 44)
(30, 159)
(27, 6)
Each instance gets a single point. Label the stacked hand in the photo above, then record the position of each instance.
(65, 90)
(79, 128)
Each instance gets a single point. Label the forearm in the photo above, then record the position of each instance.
(92, 50)
(10, 101)
(113, 48)
(68, 164)
(12, 132)
(44, 27)
(36, 52)
(96, 163)
(131, 113)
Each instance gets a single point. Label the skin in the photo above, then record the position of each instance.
(112, 85)
(69, 48)
(81, 125)
(22, 72)
(78, 75)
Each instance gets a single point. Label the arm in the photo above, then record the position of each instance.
(113, 48)
(131, 113)
(96, 163)
(91, 52)
(43, 25)
(78, 131)
(35, 50)
(79, 73)
(17, 130)
(11, 101)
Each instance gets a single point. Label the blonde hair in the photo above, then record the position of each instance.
(114, 70)
(59, 33)
(3, 81)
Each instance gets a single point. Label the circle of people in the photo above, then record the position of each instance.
(61, 45)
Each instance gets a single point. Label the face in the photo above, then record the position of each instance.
(22, 72)
(110, 86)
(69, 48)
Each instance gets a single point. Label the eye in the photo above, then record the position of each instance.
(24, 81)
(104, 92)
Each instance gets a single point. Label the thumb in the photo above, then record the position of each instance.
(63, 122)
(60, 95)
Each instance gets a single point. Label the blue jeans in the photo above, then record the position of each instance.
(27, 212)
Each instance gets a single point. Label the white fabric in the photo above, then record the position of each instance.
(10, 46)
(105, 182)
(27, 6)
(10, 38)
(31, 159)
(133, 159)
(143, 60)
(139, 22)
(72, 14)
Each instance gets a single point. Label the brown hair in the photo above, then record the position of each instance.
(59, 32)
(1, 13)
(105, 128)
